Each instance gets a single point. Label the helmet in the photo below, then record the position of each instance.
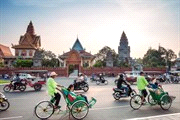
(121, 75)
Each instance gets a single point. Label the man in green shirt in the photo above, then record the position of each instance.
(52, 89)
(141, 85)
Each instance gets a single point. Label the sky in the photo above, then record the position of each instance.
(97, 23)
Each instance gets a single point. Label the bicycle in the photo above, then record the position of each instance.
(156, 97)
(78, 107)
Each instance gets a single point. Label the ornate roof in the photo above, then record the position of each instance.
(5, 51)
(29, 39)
(123, 37)
(77, 45)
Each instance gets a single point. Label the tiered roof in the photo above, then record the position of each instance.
(29, 40)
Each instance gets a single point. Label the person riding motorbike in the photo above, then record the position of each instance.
(79, 80)
(16, 81)
(101, 78)
(120, 82)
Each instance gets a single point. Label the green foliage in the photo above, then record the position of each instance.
(159, 58)
(99, 63)
(49, 59)
(1, 64)
(23, 63)
(102, 54)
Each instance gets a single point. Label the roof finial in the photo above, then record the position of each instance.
(30, 28)
(77, 36)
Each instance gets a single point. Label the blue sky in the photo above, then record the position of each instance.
(147, 23)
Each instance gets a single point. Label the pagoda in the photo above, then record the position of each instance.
(77, 56)
(124, 49)
(28, 43)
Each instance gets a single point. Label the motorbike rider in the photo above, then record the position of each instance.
(16, 81)
(141, 85)
(101, 78)
(79, 80)
(52, 90)
(120, 82)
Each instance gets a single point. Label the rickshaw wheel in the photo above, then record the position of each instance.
(136, 102)
(165, 102)
(151, 101)
(79, 110)
(44, 110)
(37, 87)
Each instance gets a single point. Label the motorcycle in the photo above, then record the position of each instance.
(93, 79)
(118, 93)
(4, 103)
(98, 81)
(81, 86)
(20, 86)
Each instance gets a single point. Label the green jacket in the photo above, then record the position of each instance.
(141, 83)
(51, 85)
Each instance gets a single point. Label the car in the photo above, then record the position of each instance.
(25, 76)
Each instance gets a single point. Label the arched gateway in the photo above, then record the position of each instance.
(77, 58)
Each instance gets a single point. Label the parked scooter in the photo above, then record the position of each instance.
(4, 103)
(118, 93)
(81, 85)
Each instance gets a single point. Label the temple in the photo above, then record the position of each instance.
(124, 49)
(28, 43)
(77, 57)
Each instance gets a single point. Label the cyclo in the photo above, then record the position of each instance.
(78, 107)
(156, 97)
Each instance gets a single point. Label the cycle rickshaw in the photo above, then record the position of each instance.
(156, 97)
(78, 107)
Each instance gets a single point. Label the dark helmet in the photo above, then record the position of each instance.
(121, 75)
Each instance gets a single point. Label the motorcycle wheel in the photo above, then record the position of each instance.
(86, 88)
(7, 88)
(116, 95)
(133, 93)
(4, 105)
(98, 82)
(106, 82)
(22, 87)
(115, 82)
(37, 87)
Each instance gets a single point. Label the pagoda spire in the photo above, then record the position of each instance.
(30, 29)
(123, 36)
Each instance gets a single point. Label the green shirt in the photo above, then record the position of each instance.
(51, 85)
(141, 82)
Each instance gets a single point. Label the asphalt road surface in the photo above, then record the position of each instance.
(22, 104)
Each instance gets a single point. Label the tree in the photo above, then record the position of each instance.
(23, 63)
(49, 59)
(101, 56)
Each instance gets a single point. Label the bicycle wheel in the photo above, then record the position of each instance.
(151, 101)
(44, 110)
(4, 105)
(79, 110)
(165, 102)
(136, 102)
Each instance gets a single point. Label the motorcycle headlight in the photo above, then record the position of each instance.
(2, 95)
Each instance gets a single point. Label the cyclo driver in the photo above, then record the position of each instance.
(141, 85)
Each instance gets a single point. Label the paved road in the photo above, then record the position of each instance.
(106, 108)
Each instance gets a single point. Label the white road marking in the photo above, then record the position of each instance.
(9, 118)
(158, 116)
(107, 108)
